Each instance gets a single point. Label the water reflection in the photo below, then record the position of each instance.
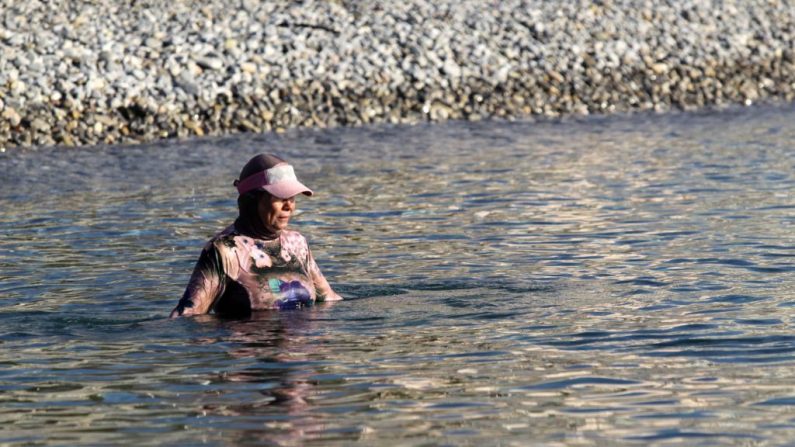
(282, 367)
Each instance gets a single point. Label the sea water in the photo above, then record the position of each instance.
(593, 281)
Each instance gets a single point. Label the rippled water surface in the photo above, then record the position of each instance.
(624, 280)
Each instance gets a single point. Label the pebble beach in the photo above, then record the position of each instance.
(110, 72)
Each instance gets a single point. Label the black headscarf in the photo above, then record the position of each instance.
(248, 221)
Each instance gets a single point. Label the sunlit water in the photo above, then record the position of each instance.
(624, 280)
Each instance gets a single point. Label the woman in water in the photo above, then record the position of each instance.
(257, 262)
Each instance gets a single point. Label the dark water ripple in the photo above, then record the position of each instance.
(605, 281)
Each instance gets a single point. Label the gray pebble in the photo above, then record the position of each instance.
(127, 74)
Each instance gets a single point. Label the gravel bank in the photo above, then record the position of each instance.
(111, 71)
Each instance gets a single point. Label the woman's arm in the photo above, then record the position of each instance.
(323, 289)
(205, 286)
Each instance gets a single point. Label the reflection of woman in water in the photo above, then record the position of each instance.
(273, 353)
(257, 263)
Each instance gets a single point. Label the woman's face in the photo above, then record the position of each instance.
(275, 212)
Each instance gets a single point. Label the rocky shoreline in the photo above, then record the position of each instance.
(107, 72)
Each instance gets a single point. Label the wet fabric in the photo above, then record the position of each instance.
(237, 273)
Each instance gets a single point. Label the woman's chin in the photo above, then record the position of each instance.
(278, 228)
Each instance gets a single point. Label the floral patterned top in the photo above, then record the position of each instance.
(237, 273)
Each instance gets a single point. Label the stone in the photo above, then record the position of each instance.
(248, 67)
(659, 68)
(209, 63)
(39, 125)
(12, 116)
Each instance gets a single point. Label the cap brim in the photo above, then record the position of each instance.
(288, 188)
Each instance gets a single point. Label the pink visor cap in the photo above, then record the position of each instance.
(279, 180)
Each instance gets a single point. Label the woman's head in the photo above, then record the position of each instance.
(267, 187)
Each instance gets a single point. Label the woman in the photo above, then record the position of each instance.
(257, 262)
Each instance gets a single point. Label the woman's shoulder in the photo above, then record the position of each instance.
(225, 237)
(294, 243)
(292, 237)
(227, 233)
